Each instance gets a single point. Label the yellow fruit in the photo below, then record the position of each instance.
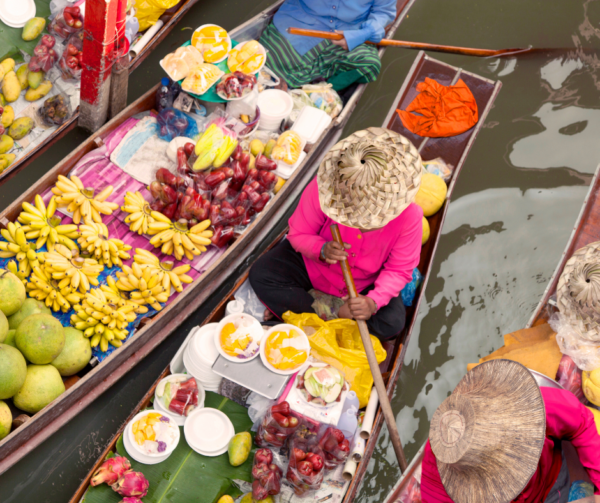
(22, 74)
(8, 64)
(431, 194)
(256, 147)
(8, 116)
(590, 383)
(6, 143)
(20, 128)
(426, 231)
(280, 183)
(246, 58)
(239, 448)
(288, 148)
(226, 499)
(11, 87)
(596, 414)
(33, 28)
(6, 160)
(213, 42)
(42, 90)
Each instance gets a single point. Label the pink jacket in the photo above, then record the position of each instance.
(566, 419)
(385, 257)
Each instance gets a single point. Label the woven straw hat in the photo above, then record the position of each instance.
(578, 291)
(369, 178)
(488, 435)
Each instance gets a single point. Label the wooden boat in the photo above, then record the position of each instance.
(584, 232)
(91, 385)
(170, 19)
(453, 151)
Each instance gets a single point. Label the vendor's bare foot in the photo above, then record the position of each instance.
(268, 315)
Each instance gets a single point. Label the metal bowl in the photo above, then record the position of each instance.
(544, 381)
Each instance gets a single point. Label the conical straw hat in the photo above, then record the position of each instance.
(488, 435)
(578, 291)
(369, 178)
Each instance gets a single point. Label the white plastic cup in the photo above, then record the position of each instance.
(275, 106)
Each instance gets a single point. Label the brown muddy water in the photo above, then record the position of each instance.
(513, 209)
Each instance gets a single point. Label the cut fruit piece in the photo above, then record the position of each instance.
(333, 393)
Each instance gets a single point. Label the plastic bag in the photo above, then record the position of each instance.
(266, 475)
(55, 111)
(338, 343)
(44, 55)
(173, 123)
(278, 423)
(307, 462)
(252, 304)
(148, 11)
(585, 354)
(439, 167)
(410, 289)
(67, 22)
(335, 446)
(71, 61)
(569, 377)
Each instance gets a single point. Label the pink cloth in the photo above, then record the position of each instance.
(566, 419)
(385, 257)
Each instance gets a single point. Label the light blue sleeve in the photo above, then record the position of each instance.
(382, 13)
(354, 38)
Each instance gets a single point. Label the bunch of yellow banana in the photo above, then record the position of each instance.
(40, 223)
(101, 320)
(144, 285)
(16, 245)
(140, 213)
(175, 238)
(71, 270)
(80, 200)
(119, 297)
(94, 241)
(42, 287)
(173, 276)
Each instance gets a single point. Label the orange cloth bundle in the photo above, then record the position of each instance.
(445, 110)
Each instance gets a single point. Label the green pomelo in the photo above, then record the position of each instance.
(12, 293)
(3, 327)
(29, 307)
(43, 384)
(5, 419)
(75, 355)
(13, 369)
(41, 338)
(10, 338)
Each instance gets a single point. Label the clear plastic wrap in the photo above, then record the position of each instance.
(44, 55)
(252, 304)
(307, 462)
(440, 168)
(266, 475)
(67, 22)
(584, 353)
(335, 446)
(569, 377)
(278, 423)
(55, 111)
(71, 61)
(174, 123)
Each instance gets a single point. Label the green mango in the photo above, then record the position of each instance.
(239, 448)
(34, 79)
(2, 99)
(22, 73)
(20, 128)
(33, 28)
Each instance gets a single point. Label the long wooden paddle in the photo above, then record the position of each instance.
(467, 51)
(384, 401)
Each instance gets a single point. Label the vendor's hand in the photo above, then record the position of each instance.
(342, 42)
(359, 308)
(334, 252)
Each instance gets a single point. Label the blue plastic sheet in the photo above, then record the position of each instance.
(173, 123)
(410, 290)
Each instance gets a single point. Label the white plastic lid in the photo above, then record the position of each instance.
(208, 430)
(16, 14)
(311, 123)
(274, 103)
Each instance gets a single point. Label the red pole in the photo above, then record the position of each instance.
(102, 17)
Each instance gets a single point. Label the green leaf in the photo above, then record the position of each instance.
(11, 41)
(186, 475)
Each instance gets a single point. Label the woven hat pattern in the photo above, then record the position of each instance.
(578, 291)
(488, 435)
(369, 178)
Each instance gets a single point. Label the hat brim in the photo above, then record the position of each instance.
(387, 192)
(508, 440)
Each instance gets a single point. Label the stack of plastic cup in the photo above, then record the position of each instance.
(200, 355)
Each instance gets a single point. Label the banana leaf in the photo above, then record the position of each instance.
(11, 42)
(187, 476)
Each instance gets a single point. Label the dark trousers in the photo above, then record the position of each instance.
(281, 282)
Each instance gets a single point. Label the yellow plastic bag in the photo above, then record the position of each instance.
(338, 343)
(148, 11)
